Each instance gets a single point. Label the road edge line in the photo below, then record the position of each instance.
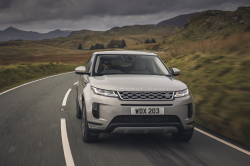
(222, 141)
(65, 98)
(65, 142)
(33, 82)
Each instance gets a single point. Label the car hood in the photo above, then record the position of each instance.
(136, 83)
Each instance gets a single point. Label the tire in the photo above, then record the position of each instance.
(184, 135)
(78, 110)
(87, 135)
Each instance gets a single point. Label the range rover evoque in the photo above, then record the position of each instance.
(130, 92)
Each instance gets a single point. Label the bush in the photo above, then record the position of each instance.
(146, 41)
(80, 47)
(153, 40)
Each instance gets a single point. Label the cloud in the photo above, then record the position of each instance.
(24, 12)
(5, 4)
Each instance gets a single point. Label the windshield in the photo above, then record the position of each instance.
(129, 64)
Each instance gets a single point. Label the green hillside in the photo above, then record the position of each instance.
(64, 49)
(131, 34)
(217, 74)
(209, 25)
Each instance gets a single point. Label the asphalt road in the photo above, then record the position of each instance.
(30, 134)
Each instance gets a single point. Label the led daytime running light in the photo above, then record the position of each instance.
(181, 93)
(104, 92)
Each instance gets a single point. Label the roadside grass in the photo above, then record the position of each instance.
(23, 61)
(217, 74)
(14, 75)
(234, 42)
(35, 53)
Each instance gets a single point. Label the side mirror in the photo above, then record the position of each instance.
(175, 71)
(81, 70)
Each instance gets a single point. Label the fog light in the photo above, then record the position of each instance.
(190, 110)
(95, 110)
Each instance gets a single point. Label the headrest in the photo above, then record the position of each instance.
(139, 65)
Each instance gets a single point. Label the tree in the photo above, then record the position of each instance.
(153, 40)
(111, 43)
(102, 46)
(146, 41)
(80, 47)
(97, 46)
(123, 43)
(114, 43)
(92, 47)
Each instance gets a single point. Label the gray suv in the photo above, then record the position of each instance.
(130, 92)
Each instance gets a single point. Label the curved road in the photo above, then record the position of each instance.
(30, 134)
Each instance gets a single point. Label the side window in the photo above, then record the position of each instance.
(90, 62)
(87, 65)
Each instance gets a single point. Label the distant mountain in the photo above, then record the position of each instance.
(140, 29)
(161, 27)
(85, 32)
(12, 33)
(178, 20)
(55, 34)
(12, 30)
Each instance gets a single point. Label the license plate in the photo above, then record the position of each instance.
(147, 110)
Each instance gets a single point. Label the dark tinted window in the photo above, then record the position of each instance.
(129, 64)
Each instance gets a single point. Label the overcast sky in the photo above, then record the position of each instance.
(47, 15)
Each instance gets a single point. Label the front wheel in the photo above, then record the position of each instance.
(183, 135)
(87, 136)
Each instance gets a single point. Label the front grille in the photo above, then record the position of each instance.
(146, 119)
(131, 95)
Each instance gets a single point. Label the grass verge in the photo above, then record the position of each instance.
(14, 75)
(219, 80)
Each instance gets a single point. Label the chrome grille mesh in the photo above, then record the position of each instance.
(154, 95)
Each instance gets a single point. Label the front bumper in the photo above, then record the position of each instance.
(110, 107)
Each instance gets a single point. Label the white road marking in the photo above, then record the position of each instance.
(222, 141)
(66, 148)
(66, 97)
(75, 83)
(33, 82)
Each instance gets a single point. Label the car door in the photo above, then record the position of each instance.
(84, 80)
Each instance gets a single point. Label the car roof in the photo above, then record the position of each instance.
(125, 52)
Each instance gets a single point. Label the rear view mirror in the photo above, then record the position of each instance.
(81, 70)
(175, 71)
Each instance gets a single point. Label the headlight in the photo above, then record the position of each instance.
(181, 93)
(104, 92)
